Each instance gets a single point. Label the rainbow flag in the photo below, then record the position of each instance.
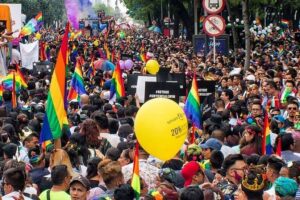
(91, 71)
(8, 82)
(266, 143)
(21, 77)
(107, 52)
(1, 94)
(117, 84)
(39, 20)
(286, 92)
(32, 25)
(285, 22)
(192, 105)
(77, 84)
(46, 145)
(55, 118)
(142, 57)
(135, 181)
(13, 92)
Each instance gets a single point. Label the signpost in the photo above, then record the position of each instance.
(214, 25)
(213, 6)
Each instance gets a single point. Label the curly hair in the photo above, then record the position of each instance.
(90, 131)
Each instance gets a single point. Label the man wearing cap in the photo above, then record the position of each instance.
(79, 188)
(210, 145)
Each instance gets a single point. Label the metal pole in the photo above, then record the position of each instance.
(214, 43)
(195, 17)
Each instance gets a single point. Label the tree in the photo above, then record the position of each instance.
(245, 10)
(107, 9)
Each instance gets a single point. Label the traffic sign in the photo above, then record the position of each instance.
(213, 6)
(214, 25)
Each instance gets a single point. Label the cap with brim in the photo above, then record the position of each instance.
(81, 179)
(212, 143)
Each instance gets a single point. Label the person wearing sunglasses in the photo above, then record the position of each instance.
(292, 108)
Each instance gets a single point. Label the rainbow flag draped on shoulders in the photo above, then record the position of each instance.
(192, 105)
(117, 88)
(135, 181)
(77, 84)
(55, 119)
(266, 143)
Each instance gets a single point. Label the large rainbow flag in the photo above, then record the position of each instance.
(266, 143)
(192, 105)
(19, 81)
(135, 181)
(32, 25)
(117, 88)
(55, 118)
(77, 84)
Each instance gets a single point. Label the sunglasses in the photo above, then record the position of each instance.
(292, 108)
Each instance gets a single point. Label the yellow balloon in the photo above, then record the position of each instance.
(161, 128)
(96, 43)
(38, 36)
(152, 66)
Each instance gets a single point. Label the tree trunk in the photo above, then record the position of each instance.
(176, 26)
(245, 10)
(149, 19)
(234, 33)
(181, 12)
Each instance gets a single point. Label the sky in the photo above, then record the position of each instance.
(112, 3)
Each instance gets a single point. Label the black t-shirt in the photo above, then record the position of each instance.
(288, 123)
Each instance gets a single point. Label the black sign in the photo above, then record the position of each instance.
(131, 84)
(43, 68)
(206, 89)
(222, 44)
(164, 76)
(162, 89)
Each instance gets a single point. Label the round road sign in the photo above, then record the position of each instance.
(213, 6)
(214, 25)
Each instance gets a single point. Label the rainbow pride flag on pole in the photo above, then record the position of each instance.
(21, 77)
(266, 143)
(32, 25)
(117, 84)
(135, 181)
(55, 118)
(13, 92)
(77, 84)
(192, 105)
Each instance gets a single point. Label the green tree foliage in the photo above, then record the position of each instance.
(107, 9)
(52, 9)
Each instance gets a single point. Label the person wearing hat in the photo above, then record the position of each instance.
(251, 188)
(79, 188)
(210, 145)
(285, 188)
(193, 174)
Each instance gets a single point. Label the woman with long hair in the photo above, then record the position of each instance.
(251, 141)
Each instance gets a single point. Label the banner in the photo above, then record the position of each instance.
(162, 89)
(164, 75)
(141, 83)
(29, 54)
(222, 44)
(130, 86)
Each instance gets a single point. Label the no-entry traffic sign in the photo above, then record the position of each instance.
(214, 25)
(213, 6)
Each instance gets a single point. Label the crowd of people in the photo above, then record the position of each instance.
(95, 160)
